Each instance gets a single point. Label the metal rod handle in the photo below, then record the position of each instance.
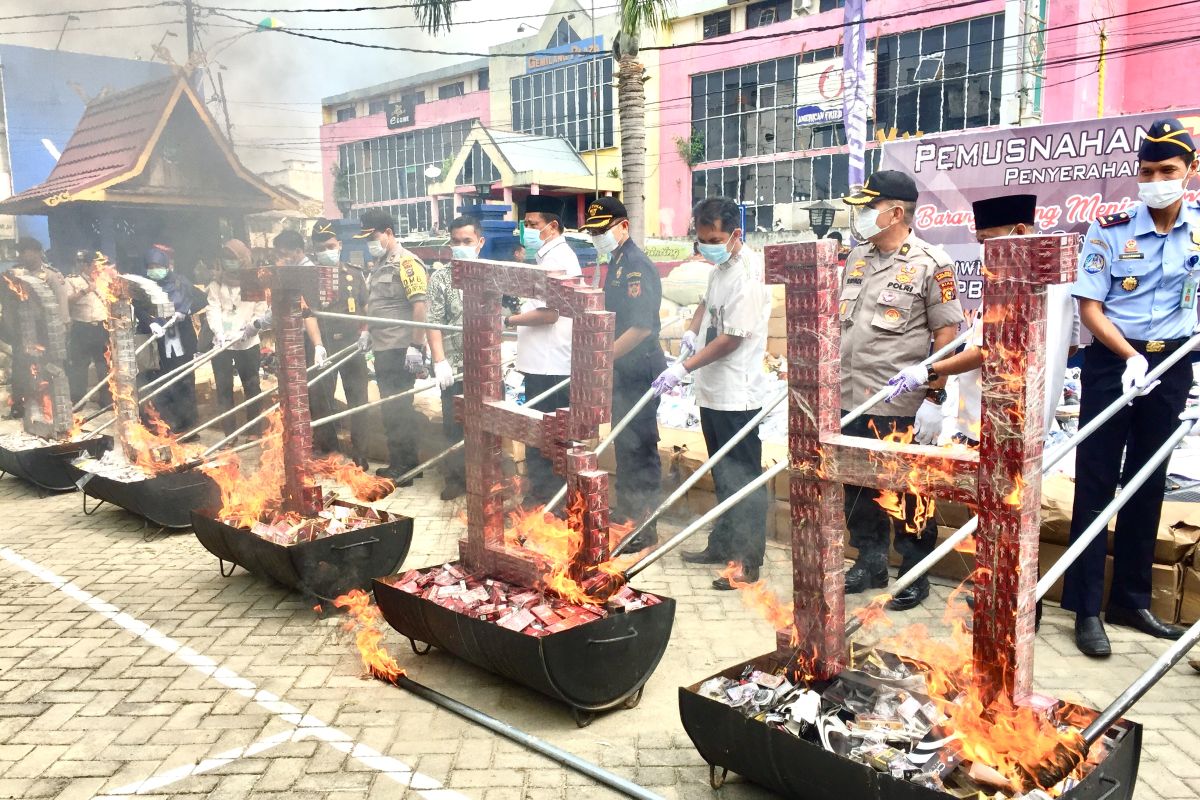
(1123, 496)
(395, 323)
(140, 348)
(700, 472)
(876, 398)
(712, 514)
(454, 448)
(605, 443)
(349, 412)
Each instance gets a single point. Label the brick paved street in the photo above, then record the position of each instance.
(211, 699)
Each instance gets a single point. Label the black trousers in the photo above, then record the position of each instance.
(399, 418)
(322, 404)
(247, 363)
(639, 468)
(539, 470)
(869, 525)
(454, 468)
(1136, 431)
(741, 534)
(177, 405)
(86, 348)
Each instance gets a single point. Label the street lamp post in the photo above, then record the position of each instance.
(820, 217)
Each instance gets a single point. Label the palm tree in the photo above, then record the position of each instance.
(636, 16)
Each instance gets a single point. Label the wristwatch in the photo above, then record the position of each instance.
(936, 395)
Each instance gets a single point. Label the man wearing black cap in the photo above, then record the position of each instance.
(632, 291)
(336, 335)
(897, 293)
(1137, 284)
(543, 337)
(397, 287)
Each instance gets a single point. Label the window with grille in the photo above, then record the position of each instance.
(376, 107)
(830, 5)
(451, 90)
(573, 101)
(392, 168)
(768, 13)
(717, 24)
(346, 113)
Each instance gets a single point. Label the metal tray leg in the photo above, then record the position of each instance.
(583, 718)
(413, 644)
(95, 508)
(221, 566)
(714, 780)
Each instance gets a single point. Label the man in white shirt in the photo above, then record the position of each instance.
(729, 381)
(231, 319)
(543, 336)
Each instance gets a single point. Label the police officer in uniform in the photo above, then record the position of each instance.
(897, 293)
(397, 288)
(1136, 287)
(337, 335)
(632, 291)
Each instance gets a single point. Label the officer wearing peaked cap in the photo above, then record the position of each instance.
(897, 293)
(633, 292)
(1137, 282)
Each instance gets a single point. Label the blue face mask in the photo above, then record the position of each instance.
(156, 273)
(463, 251)
(716, 253)
(531, 239)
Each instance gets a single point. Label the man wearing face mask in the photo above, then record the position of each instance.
(397, 288)
(543, 337)
(730, 381)
(897, 293)
(231, 319)
(1012, 215)
(177, 343)
(1136, 287)
(446, 308)
(337, 334)
(30, 259)
(632, 291)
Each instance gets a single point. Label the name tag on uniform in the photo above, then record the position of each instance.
(1188, 298)
(351, 306)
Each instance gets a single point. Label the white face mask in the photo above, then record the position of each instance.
(1160, 194)
(605, 243)
(376, 248)
(329, 258)
(865, 223)
(464, 251)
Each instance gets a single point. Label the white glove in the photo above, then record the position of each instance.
(220, 341)
(687, 346)
(364, 341)
(929, 423)
(907, 380)
(250, 331)
(157, 331)
(319, 356)
(178, 317)
(414, 359)
(443, 374)
(669, 379)
(1134, 376)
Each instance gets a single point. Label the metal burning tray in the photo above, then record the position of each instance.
(49, 467)
(593, 667)
(166, 500)
(796, 768)
(321, 569)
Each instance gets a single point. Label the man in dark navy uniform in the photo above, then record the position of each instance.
(632, 291)
(1137, 295)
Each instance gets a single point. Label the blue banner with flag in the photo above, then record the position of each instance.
(855, 97)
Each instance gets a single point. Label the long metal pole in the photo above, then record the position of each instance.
(330, 365)
(92, 392)
(454, 448)
(1123, 496)
(700, 472)
(712, 514)
(569, 760)
(879, 396)
(942, 550)
(616, 431)
(396, 323)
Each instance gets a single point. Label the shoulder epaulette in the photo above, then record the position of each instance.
(1113, 220)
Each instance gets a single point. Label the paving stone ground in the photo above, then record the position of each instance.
(210, 700)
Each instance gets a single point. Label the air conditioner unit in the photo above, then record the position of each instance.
(801, 6)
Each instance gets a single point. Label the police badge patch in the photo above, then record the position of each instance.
(1094, 264)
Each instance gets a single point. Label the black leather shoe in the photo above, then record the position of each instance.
(704, 556)
(869, 572)
(1037, 617)
(749, 575)
(1090, 637)
(910, 597)
(1141, 619)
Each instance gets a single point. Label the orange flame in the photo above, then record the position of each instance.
(245, 502)
(367, 488)
(16, 287)
(917, 478)
(155, 449)
(366, 622)
(760, 598)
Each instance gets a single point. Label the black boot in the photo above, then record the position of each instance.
(870, 571)
(910, 597)
(1090, 637)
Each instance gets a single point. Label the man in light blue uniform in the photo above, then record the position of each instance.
(1137, 284)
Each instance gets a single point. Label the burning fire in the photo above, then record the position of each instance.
(890, 501)
(16, 288)
(366, 623)
(367, 488)
(760, 598)
(1013, 739)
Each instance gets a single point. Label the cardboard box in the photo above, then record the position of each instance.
(954, 567)
(1189, 606)
(777, 346)
(1166, 585)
